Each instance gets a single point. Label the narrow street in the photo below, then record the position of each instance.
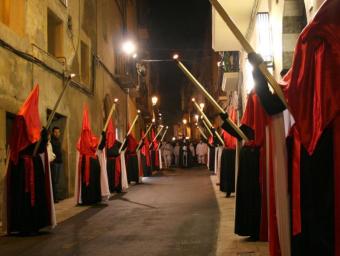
(174, 213)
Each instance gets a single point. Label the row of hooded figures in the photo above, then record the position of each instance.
(104, 166)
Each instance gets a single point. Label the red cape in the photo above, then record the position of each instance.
(312, 85)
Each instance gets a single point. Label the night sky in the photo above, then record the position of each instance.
(184, 27)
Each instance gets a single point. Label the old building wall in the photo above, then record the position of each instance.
(96, 24)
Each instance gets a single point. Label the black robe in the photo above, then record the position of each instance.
(227, 178)
(132, 167)
(114, 180)
(248, 195)
(22, 217)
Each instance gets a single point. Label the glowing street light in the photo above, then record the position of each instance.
(202, 105)
(184, 121)
(129, 47)
(175, 56)
(196, 117)
(154, 100)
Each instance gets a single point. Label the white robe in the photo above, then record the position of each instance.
(104, 184)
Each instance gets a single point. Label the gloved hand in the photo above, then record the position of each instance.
(255, 59)
(224, 116)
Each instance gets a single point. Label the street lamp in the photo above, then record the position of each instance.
(154, 100)
(184, 121)
(202, 105)
(129, 48)
(196, 117)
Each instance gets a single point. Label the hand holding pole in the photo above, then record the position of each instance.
(130, 130)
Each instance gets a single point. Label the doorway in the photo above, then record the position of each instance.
(64, 177)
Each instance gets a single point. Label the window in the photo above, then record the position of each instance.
(12, 14)
(55, 36)
(85, 63)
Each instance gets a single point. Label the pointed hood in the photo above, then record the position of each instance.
(87, 143)
(27, 125)
(110, 134)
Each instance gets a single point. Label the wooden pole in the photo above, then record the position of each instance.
(206, 126)
(210, 98)
(202, 133)
(113, 108)
(50, 118)
(208, 122)
(166, 130)
(8, 155)
(154, 139)
(146, 134)
(248, 48)
(128, 133)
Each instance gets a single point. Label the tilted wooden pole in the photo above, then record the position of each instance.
(206, 126)
(128, 133)
(208, 122)
(248, 48)
(154, 139)
(50, 118)
(146, 134)
(113, 108)
(166, 130)
(210, 98)
(202, 133)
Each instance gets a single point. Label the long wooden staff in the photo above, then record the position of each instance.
(202, 133)
(146, 134)
(130, 130)
(210, 98)
(208, 122)
(206, 126)
(50, 118)
(113, 108)
(248, 48)
(166, 130)
(154, 139)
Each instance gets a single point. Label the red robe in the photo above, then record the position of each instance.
(314, 81)
(256, 118)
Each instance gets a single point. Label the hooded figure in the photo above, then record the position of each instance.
(154, 152)
(227, 174)
(91, 182)
(28, 197)
(132, 165)
(114, 162)
(145, 156)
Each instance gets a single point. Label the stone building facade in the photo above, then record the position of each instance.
(41, 41)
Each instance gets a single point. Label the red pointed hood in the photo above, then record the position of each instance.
(27, 125)
(88, 142)
(110, 134)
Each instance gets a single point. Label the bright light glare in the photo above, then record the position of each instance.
(129, 47)
(184, 121)
(202, 105)
(264, 45)
(154, 100)
(175, 57)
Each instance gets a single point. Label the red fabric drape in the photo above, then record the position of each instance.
(230, 141)
(336, 159)
(118, 171)
(145, 150)
(314, 76)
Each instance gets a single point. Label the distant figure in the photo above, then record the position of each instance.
(57, 163)
(201, 152)
(167, 154)
(176, 154)
(192, 155)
